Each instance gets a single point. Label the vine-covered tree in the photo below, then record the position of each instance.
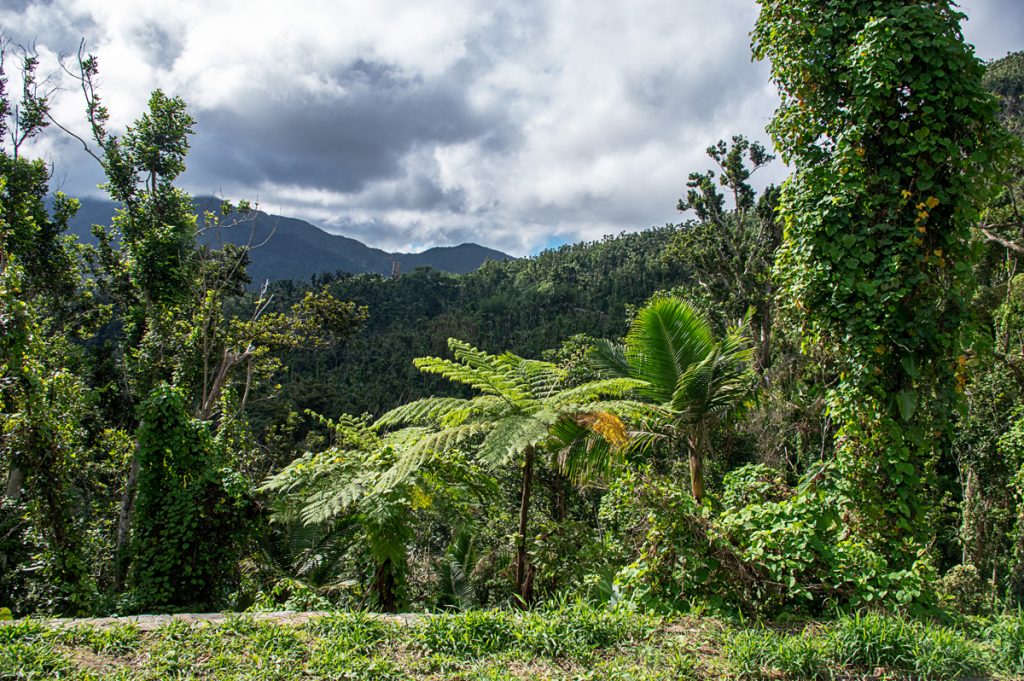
(893, 140)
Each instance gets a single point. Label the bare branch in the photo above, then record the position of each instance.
(1005, 243)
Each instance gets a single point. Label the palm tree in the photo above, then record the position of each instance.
(523, 408)
(691, 379)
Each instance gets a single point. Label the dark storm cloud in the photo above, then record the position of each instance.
(422, 193)
(160, 46)
(358, 129)
(20, 6)
(42, 22)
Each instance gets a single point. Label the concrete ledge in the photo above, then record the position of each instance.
(152, 622)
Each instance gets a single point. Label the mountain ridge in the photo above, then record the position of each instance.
(292, 248)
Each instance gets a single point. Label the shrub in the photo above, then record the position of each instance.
(963, 589)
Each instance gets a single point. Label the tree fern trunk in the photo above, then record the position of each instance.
(561, 504)
(386, 586)
(523, 583)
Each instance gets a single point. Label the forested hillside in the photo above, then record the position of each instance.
(800, 401)
(287, 248)
(526, 306)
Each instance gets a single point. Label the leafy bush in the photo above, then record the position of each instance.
(963, 589)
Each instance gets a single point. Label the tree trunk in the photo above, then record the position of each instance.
(124, 520)
(386, 586)
(561, 505)
(15, 483)
(524, 582)
(764, 358)
(697, 464)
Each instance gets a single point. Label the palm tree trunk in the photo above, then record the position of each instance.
(697, 463)
(523, 582)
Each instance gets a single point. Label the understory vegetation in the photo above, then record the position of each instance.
(613, 460)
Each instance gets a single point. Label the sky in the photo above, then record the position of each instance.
(516, 124)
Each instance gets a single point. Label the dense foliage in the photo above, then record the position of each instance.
(800, 401)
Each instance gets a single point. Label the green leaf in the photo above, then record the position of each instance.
(907, 402)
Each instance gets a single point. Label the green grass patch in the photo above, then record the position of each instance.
(570, 642)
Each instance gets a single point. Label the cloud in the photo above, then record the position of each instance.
(339, 130)
(512, 123)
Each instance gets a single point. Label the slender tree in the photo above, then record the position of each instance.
(692, 379)
(522, 411)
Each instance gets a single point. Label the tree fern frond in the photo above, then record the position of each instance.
(326, 504)
(426, 411)
(492, 373)
(420, 451)
(511, 436)
(594, 390)
(486, 381)
(543, 379)
(475, 408)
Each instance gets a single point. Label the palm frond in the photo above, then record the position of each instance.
(666, 338)
(610, 358)
(455, 572)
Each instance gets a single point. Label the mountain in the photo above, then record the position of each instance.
(289, 248)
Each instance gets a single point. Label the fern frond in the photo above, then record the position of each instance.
(475, 408)
(426, 411)
(497, 373)
(594, 390)
(514, 434)
(412, 457)
(543, 379)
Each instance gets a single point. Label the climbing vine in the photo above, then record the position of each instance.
(190, 508)
(895, 144)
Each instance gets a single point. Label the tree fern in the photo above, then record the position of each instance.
(368, 478)
(524, 408)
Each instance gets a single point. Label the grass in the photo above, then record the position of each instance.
(571, 642)
(870, 646)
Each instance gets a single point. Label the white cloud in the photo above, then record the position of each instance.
(412, 124)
